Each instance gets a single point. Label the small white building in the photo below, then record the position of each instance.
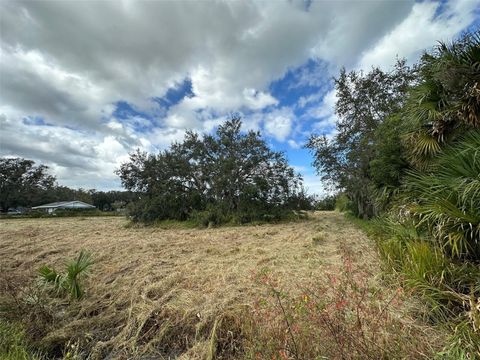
(50, 208)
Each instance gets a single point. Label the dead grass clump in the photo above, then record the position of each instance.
(25, 302)
(169, 330)
(319, 239)
(230, 333)
(172, 332)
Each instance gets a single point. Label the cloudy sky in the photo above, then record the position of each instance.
(83, 83)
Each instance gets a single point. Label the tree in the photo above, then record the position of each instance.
(446, 101)
(22, 183)
(365, 101)
(230, 170)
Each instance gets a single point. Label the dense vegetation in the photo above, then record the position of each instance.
(228, 176)
(407, 151)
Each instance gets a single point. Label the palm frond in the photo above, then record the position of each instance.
(70, 280)
(75, 269)
(447, 199)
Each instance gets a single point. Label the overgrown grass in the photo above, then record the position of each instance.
(13, 343)
(344, 315)
(188, 294)
(450, 287)
(161, 294)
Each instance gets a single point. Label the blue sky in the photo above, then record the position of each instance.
(82, 84)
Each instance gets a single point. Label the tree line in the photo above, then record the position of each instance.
(229, 176)
(409, 138)
(23, 184)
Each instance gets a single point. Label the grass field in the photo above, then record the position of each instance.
(170, 293)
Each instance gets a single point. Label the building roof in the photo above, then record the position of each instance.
(65, 205)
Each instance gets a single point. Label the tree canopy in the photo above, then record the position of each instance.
(365, 101)
(230, 171)
(22, 182)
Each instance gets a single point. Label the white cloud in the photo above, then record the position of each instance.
(326, 108)
(257, 100)
(305, 100)
(70, 62)
(294, 144)
(420, 30)
(77, 159)
(87, 55)
(278, 123)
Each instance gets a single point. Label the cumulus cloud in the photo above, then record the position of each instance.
(278, 123)
(420, 30)
(77, 159)
(69, 64)
(326, 108)
(87, 55)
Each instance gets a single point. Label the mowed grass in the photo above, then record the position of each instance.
(171, 293)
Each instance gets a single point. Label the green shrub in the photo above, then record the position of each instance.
(212, 216)
(37, 214)
(327, 203)
(76, 212)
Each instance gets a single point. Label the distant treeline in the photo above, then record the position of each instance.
(24, 184)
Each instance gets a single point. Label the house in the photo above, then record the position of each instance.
(50, 208)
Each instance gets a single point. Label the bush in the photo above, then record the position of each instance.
(76, 212)
(216, 215)
(212, 216)
(234, 172)
(447, 199)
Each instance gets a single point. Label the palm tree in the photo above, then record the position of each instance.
(447, 199)
(446, 102)
(70, 280)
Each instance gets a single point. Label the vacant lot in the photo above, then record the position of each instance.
(166, 291)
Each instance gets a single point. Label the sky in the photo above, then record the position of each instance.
(83, 83)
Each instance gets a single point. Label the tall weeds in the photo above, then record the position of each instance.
(449, 286)
(346, 315)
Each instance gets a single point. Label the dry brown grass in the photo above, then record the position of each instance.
(174, 293)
